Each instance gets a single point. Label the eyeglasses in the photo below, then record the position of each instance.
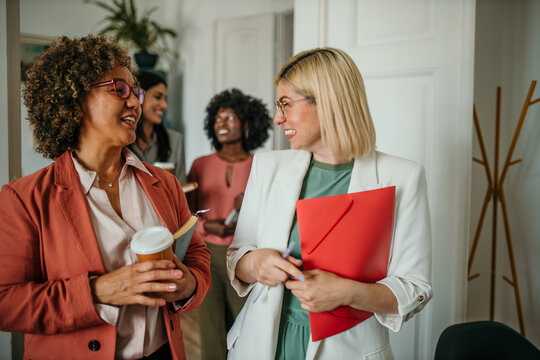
(224, 118)
(283, 105)
(122, 89)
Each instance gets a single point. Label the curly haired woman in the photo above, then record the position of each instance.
(236, 124)
(69, 280)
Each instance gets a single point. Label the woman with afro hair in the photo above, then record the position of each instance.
(236, 124)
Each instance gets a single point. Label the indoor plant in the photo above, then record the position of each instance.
(123, 23)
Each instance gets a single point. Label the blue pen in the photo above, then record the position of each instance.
(286, 253)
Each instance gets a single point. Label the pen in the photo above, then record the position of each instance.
(286, 253)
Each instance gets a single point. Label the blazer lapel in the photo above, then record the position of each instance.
(75, 210)
(364, 174)
(159, 199)
(289, 184)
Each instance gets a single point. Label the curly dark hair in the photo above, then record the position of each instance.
(249, 110)
(59, 81)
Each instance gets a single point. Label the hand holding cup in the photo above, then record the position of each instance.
(155, 243)
(159, 273)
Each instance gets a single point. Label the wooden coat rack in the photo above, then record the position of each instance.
(495, 194)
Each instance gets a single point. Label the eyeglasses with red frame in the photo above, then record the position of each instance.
(122, 89)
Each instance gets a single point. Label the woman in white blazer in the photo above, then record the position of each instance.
(324, 113)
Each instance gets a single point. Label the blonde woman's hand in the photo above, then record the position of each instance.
(321, 291)
(268, 267)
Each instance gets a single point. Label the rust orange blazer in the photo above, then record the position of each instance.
(48, 249)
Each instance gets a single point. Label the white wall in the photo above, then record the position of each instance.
(508, 54)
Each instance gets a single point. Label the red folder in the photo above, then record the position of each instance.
(348, 235)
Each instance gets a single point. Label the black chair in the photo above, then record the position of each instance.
(484, 340)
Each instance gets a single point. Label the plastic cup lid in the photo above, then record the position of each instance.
(151, 240)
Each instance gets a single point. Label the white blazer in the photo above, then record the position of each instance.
(265, 221)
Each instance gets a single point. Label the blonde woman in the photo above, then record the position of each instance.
(323, 110)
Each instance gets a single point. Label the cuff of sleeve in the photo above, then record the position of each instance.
(109, 313)
(409, 300)
(241, 287)
(182, 304)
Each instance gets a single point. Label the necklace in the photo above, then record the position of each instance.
(110, 183)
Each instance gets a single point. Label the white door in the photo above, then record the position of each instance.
(245, 49)
(416, 57)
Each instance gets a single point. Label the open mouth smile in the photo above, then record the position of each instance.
(129, 119)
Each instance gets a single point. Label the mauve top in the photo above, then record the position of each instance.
(213, 193)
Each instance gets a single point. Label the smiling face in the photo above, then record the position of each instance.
(109, 120)
(301, 121)
(155, 103)
(228, 127)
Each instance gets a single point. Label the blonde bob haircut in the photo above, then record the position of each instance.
(331, 79)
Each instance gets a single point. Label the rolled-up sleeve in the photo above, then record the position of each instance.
(409, 269)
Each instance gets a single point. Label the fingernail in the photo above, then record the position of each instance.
(172, 287)
(302, 278)
(178, 273)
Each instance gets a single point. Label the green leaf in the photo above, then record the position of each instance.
(123, 23)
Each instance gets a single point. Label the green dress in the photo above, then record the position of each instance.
(321, 180)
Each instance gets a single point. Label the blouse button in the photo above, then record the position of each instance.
(94, 345)
(420, 298)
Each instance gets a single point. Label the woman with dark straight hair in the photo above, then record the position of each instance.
(155, 143)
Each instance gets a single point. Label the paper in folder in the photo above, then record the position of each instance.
(350, 236)
(183, 236)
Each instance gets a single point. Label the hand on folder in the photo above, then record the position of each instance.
(268, 267)
(348, 235)
(321, 291)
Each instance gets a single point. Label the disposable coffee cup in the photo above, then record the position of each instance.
(153, 243)
(166, 166)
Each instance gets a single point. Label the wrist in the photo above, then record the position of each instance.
(351, 293)
(245, 268)
(191, 287)
(92, 282)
